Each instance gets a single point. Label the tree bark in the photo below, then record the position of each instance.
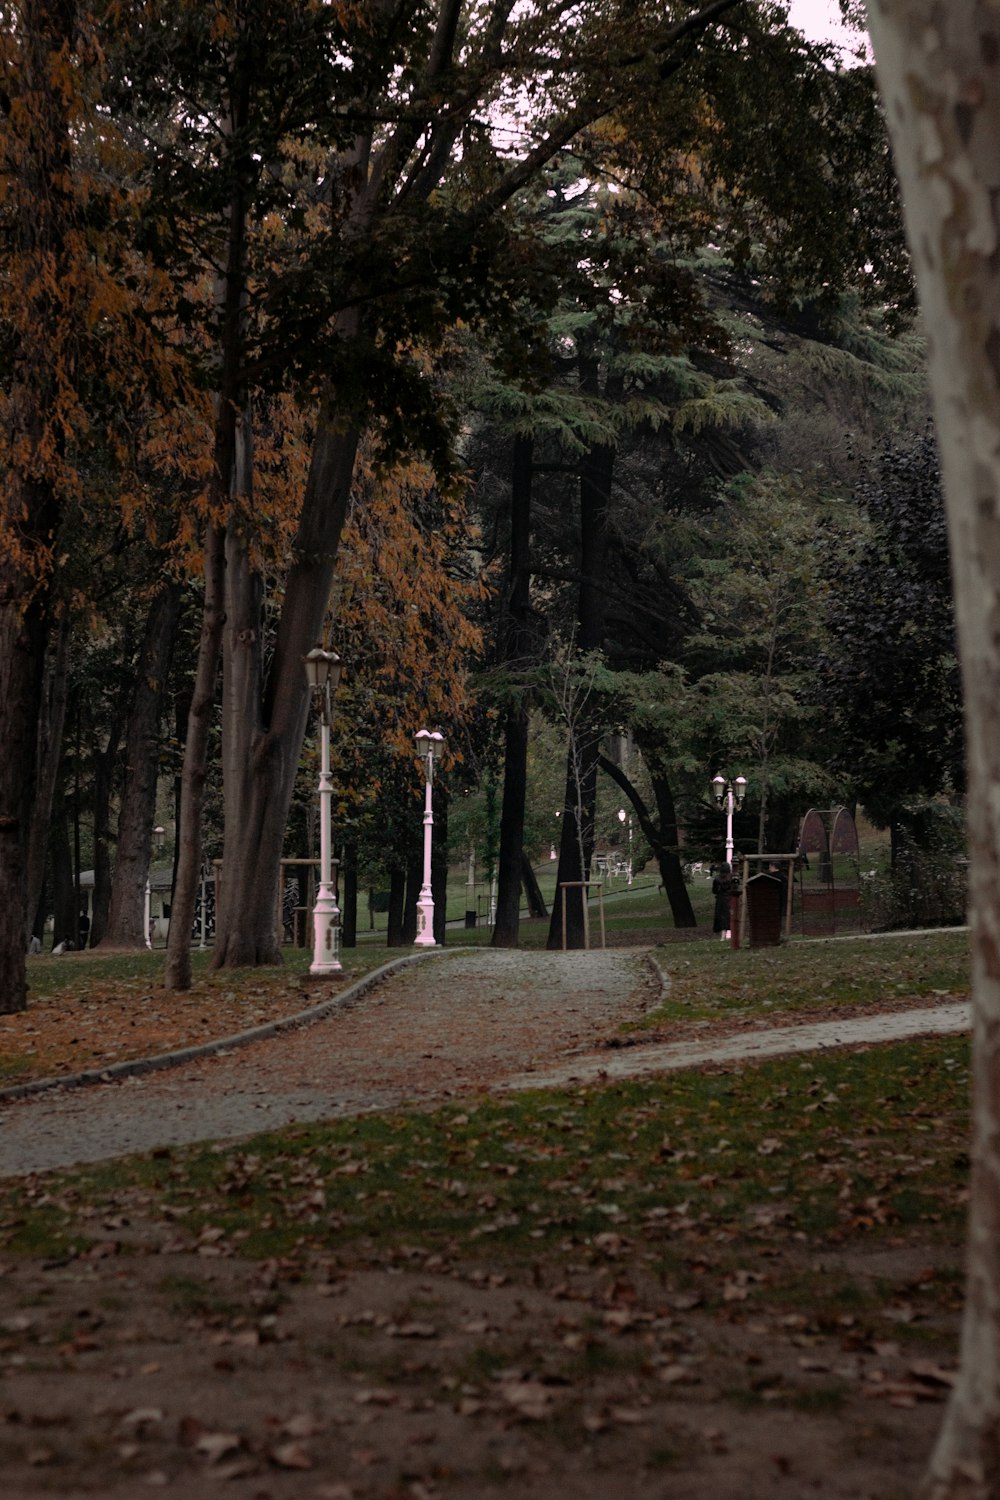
(414, 882)
(532, 890)
(39, 358)
(397, 901)
(516, 649)
(104, 762)
(662, 837)
(939, 68)
(126, 915)
(63, 884)
(349, 896)
(230, 479)
(668, 854)
(177, 975)
(576, 842)
(263, 745)
(51, 719)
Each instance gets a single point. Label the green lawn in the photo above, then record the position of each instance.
(711, 980)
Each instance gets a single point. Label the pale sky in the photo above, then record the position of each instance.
(820, 20)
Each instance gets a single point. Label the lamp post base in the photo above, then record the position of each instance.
(425, 922)
(326, 934)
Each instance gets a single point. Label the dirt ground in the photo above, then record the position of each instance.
(183, 1365)
(160, 1358)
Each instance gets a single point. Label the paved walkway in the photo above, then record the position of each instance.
(456, 1023)
(777, 1041)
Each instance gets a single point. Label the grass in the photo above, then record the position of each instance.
(710, 980)
(73, 974)
(704, 1175)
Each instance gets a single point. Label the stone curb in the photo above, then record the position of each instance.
(141, 1065)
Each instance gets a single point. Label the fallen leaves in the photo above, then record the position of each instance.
(923, 1381)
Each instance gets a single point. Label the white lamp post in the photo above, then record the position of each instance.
(729, 796)
(430, 747)
(323, 670)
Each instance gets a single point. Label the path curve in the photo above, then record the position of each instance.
(456, 1022)
(459, 1023)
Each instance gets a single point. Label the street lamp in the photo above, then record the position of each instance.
(430, 747)
(729, 795)
(323, 670)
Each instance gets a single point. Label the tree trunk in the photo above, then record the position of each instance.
(104, 764)
(938, 65)
(231, 480)
(263, 741)
(224, 484)
(662, 837)
(126, 914)
(414, 882)
(516, 648)
(39, 361)
(397, 901)
(532, 890)
(194, 771)
(51, 719)
(576, 843)
(63, 884)
(668, 855)
(22, 661)
(263, 745)
(349, 897)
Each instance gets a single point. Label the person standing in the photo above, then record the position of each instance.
(722, 890)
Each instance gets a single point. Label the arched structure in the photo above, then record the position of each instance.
(828, 884)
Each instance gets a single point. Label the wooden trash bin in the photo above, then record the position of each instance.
(764, 897)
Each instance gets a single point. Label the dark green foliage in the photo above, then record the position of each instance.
(890, 679)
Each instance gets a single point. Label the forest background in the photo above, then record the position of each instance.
(565, 378)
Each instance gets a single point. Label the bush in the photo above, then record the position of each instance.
(926, 885)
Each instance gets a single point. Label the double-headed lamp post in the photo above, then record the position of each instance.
(323, 675)
(729, 795)
(430, 747)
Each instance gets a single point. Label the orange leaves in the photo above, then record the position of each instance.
(86, 360)
(403, 599)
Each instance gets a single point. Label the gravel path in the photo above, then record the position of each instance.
(446, 1025)
(456, 1023)
(747, 1046)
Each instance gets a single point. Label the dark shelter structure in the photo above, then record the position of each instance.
(828, 877)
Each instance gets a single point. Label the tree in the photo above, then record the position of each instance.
(126, 915)
(516, 652)
(760, 594)
(39, 409)
(890, 674)
(407, 98)
(938, 65)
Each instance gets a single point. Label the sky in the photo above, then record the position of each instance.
(820, 20)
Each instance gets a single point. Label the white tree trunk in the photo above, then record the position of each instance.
(939, 69)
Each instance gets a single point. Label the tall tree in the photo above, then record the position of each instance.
(410, 96)
(39, 412)
(939, 68)
(517, 650)
(126, 913)
(890, 675)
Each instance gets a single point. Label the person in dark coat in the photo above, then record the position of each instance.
(722, 890)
